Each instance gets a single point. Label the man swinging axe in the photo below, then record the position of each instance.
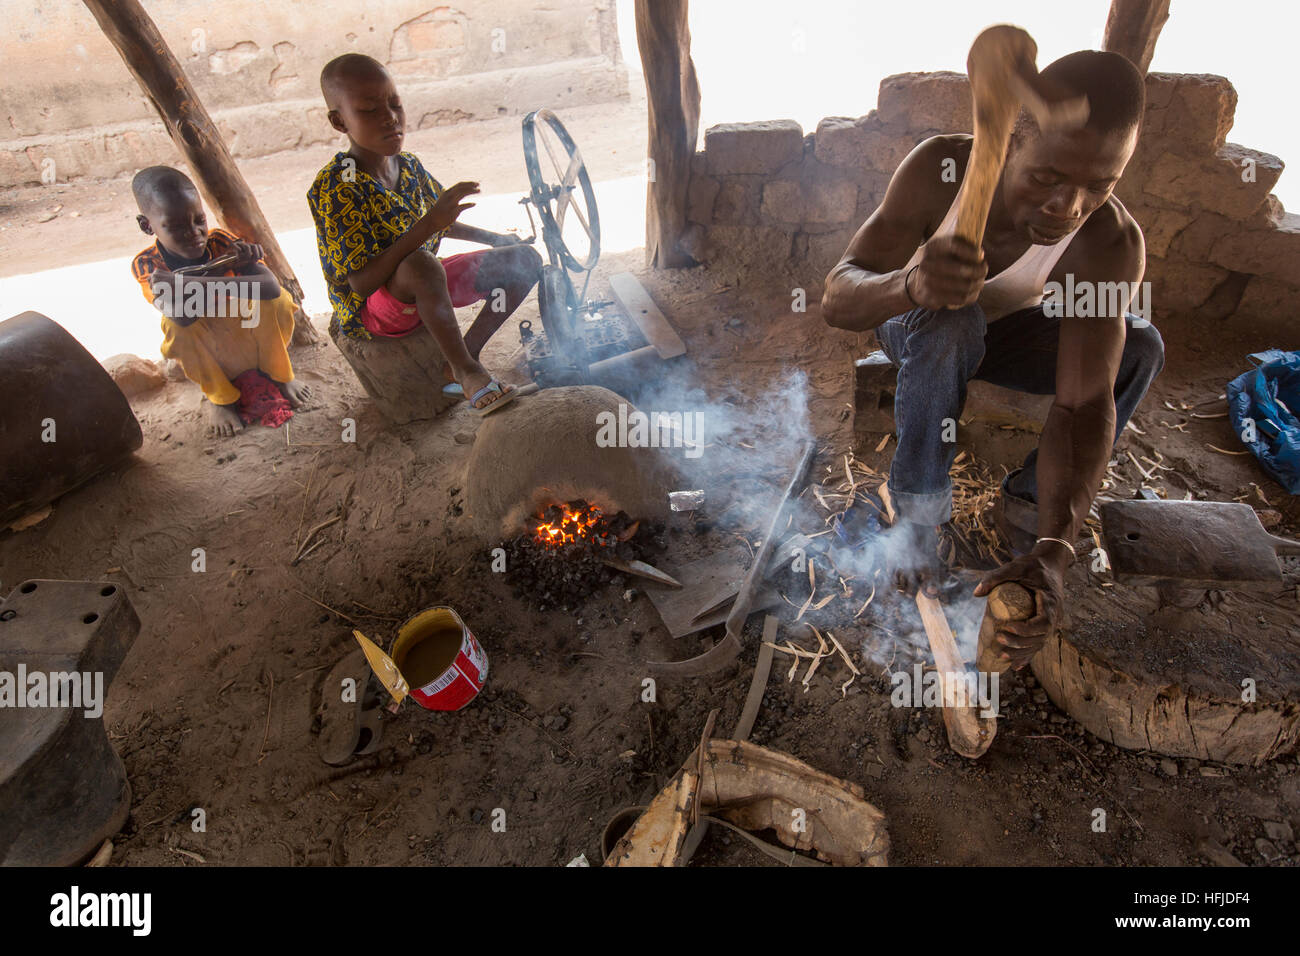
(951, 276)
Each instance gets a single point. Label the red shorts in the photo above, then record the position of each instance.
(385, 314)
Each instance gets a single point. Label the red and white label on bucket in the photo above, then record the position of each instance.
(471, 663)
(477, 659)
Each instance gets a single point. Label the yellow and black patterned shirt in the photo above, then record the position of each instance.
(358, 217)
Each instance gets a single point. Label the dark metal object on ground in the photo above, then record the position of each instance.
(62, 418)
(63, 789)
(728, 649)
(711, 581)
(1191, 544)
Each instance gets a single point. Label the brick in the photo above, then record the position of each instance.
(1273, 308)
(926, 101)
(1195, 109)
(736, 203)
(826, 249)
(840, 141)
(753, 147)
(1160, 224)
(1268, 252)
(1178, 285)
(783, 201)
(1216, 184)
(700, 196)
(831, 201)
(764, 248)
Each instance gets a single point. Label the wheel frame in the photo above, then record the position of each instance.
(542, 194)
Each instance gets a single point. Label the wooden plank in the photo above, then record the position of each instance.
(129, 28)
(969, 734)
(654, 325)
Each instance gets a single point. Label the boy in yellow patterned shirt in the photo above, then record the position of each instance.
(379, 219)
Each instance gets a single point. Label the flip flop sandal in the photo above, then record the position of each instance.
(493, 386)
(453, 390)
(348, 727)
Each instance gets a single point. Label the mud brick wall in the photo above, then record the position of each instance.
(765, 198)
(72, 109)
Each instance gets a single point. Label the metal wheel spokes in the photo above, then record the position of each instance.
(563, 197)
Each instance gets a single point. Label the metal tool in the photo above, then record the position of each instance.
(1191, 544)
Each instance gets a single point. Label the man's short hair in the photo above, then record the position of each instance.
(155, 184)
(340, 70)
(1115, 89)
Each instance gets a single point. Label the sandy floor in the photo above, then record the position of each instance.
(214, 705)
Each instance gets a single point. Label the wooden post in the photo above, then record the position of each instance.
(673, 105)
(1132, 27)
(136, 37)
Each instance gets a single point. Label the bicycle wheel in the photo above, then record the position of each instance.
(565, 190)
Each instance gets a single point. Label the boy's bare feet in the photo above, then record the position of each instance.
(473, 380)
(295, 391)
(224, 420)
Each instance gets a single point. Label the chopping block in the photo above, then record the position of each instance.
(63, 789)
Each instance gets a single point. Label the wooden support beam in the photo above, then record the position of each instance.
(1132, 27)
(136, 37)
(673, 105)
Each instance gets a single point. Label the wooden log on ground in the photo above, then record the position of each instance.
(136, 37)
(673, 117)
(403, 376)
(1132, 27)
(1172, 681)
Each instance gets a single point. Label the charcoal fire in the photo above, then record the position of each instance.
(557, 561)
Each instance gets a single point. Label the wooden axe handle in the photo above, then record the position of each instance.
(1007, 602)
(969, 734)
(1002, 75)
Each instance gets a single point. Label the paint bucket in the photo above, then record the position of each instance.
(440, 659)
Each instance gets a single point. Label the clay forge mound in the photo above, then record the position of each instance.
(543, 451)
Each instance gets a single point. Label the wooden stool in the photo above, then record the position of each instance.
(403, 376)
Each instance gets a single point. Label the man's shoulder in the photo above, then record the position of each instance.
(1112, 235)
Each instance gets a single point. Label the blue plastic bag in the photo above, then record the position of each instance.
(1265, 402)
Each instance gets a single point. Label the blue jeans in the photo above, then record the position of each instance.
(937, 353)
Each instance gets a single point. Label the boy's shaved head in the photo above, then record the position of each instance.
(344, 70)
(155, 185)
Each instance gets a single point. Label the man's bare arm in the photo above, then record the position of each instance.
(871, 283)
(1080, 428)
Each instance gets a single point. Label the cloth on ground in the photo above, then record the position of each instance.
(1263, 405)
(260, 400)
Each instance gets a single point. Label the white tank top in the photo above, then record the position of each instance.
(1019, 285)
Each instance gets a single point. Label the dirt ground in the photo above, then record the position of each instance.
(214, 706)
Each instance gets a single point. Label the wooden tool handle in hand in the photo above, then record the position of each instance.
(1007, 602)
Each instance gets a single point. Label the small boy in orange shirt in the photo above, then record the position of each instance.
(224, 313)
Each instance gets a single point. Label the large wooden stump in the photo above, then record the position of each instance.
(403, 376)
(1172, 681)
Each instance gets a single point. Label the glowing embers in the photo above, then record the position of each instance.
(576, 521)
